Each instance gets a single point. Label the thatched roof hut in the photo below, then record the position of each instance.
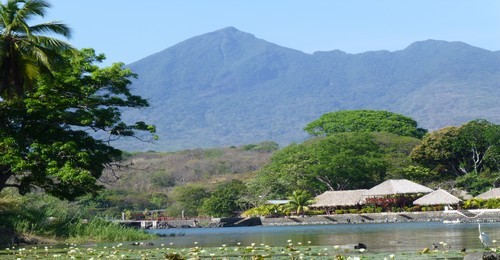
(491, 194)
(437, 197)
(339, 198)
(394, 187)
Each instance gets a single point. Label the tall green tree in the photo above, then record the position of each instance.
(483, 141)
(337, 162)
(225, 199)
(188, 200)
(364, 121)
(460, 150)
(25, 52)
(468, 154)
(50, 139)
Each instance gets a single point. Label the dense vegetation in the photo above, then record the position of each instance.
(225, 181)
(469, 154)
(54, 102)
(179, 181)
(47, 138)
(36, 218)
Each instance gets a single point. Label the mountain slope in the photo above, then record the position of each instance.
(228, 88)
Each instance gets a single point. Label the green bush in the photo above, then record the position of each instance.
(265, 211)
(492, 204)
(476, 203)
(368, 209)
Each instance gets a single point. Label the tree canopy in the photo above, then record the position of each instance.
(364, 121)
(461, 150)
(337, 162)
(224, 200)
(189, 200)
(469, 153)
(396, 150)
(48, 140)
(25, 52)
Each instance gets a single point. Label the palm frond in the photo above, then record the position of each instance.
(56, 27)
(25, 52)
(40, 56)
(51, 43)
(32, 8)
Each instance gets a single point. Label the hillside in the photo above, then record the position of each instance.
(230, 88)
(159, 172)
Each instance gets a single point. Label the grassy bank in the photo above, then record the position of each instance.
(103, 230)
(34, 219)
(95, 230)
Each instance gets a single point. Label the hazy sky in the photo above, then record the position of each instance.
(128, 30)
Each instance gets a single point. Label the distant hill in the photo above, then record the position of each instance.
(229, 88)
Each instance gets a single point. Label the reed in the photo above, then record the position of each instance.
(99, 229)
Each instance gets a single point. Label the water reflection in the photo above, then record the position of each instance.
(387, 237)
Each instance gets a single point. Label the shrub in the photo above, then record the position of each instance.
(492, 204)
(264, 211)
(368, 209)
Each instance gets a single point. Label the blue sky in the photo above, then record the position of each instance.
(128, 30)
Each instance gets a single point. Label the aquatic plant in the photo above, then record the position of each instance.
(292, 250)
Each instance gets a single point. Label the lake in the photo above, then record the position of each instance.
(380, 237)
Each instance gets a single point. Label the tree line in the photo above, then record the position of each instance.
(356, 149)
(361, 148)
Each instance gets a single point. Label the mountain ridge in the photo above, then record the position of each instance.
(229, 87)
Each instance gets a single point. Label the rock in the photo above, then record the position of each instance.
(490, 256)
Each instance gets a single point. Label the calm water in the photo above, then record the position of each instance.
(387, 237)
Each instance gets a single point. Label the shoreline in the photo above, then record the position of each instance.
(450, 216)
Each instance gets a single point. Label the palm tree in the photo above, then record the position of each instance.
(25, 52)
(299, 201)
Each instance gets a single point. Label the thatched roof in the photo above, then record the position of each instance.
(392, 187)
(437, 197)
(491, 194)
(339, 198)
